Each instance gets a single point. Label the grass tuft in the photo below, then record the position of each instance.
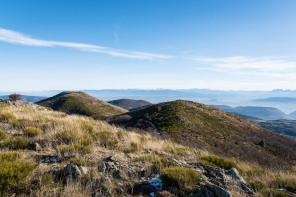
(78, 161)
(181, 177)
(218, 162)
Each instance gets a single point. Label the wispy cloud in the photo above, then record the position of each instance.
(21, 39)
(240, 65)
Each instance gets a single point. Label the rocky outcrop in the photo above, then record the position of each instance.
(117, 171)
(215, 182)
(71, 172)
(219, 177)
(212, 190)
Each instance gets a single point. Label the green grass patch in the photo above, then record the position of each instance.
(159, 162)
(3, 135)
(32, 131)
(67, 137)
(287, 183)
(17, 143)
(218, 162)
(257, 185)
(181, 177)
(78, 161)
(68, 150)
(270, 192)
(6, 117)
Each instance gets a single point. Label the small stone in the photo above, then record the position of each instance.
(83, 170)
(102, 168)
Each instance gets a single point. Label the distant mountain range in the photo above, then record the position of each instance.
(130, 104)
(281, 99)
(265, 113)
(277, 99)
(26, 98)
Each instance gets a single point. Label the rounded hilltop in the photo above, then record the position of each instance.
(82, 104)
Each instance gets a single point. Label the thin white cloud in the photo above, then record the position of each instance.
(21, 39)
(240, 62)
(239, 65)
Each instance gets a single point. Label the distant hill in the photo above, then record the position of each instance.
(284, 127)
(26, 98)
(265, 113)
(209, 128)
(130, 104)
(81, 103)
(293, 115)
(277, 100)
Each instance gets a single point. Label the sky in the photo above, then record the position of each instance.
(147, 44)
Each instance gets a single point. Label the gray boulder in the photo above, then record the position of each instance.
(71, 172)
(218, 191)
(234, 174)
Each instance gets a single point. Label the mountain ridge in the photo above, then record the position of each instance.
(130, 104)
(81, 103)
(199, 125)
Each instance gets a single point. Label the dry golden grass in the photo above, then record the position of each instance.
(80, 133)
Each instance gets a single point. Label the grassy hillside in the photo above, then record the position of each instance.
(38, 145)
(81, 103)
(214, 130)
(130, 104)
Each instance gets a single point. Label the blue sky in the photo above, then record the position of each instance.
(215, 44)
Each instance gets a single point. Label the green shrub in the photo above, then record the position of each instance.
(13, 172)
(17, 143)
(270, 192)
(32, 131)
(218, 162)
(6, 117)
(3, 135)
(107, 139)
(78, 161)
(67, 136)
(181, 177)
